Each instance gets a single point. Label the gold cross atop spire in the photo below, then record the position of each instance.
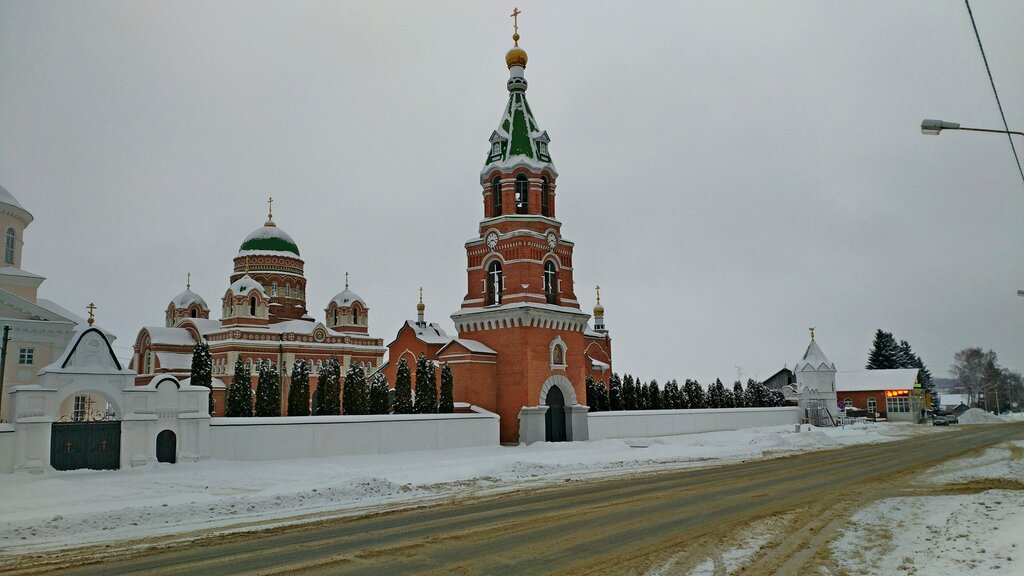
(812, 333)
(515, 23)
(598, 289)
(421, 294)
(92, 316)
(188, 281)
(270, 211)
(346, 280)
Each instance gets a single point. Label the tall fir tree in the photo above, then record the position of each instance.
(885, 352)
(602, 396)
(359, 389)
(329, 387)
(202, 370)
(591, 389)
(716, 394)
(268, 391)
(379, 402)
(668, 395)
(298, 392)
(738, 397)
(695, 395)
(403, 388)
(615, 392)
(446, 403)
(628, 393)
(349, 397)
(653, 396)
(426, 386)
(239, 401)
(757, 394)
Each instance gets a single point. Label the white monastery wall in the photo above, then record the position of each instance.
(6, 448)
(646, 423)
(315, 436)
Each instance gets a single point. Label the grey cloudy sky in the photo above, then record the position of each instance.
(731, 172)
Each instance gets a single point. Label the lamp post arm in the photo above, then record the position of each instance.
(987, 130)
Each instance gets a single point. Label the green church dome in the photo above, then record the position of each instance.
(268, 238)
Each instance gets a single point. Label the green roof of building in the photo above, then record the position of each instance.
(269, 239)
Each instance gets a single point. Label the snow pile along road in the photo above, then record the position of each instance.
(979, 416)
(76, 508)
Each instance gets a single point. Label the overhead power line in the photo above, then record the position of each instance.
(994, 91)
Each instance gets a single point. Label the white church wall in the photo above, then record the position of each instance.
(647, 423)
(6, 448)
(316, 436)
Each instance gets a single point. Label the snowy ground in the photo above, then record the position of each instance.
(76, 508)
(979, 530)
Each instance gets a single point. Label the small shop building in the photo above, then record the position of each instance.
(893, 394)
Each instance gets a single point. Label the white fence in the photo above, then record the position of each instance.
(646, 423)
(315, 436)
(6, 448)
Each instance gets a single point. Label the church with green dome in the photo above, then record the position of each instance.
(263, 319)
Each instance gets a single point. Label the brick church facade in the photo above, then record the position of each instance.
(524, 348)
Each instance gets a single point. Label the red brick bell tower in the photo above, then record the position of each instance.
(522, 345)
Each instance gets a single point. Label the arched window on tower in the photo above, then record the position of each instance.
(522, 195)
(9, 246)
(195, 313)
(335, 316)
(545, 200)
(551, 282)
(252, 306)
(496, 197)
(355, 315)
(495, 283)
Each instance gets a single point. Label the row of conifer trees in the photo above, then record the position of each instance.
(630, 393)
(357, 394)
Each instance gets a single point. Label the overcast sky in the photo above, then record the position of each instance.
(732, 173)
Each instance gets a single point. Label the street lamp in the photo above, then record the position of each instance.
(934, 127)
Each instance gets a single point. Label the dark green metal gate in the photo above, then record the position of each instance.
(554, 419)
(92, 445)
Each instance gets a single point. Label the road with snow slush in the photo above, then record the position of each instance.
(626, 525)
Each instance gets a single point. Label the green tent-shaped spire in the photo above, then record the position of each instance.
(518, 137)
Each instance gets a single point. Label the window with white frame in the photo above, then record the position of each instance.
(898, 404)
(81, 403)
(11, 239)
(872, 405)
(27, 356)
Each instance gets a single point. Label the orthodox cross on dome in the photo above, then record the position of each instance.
(92, 317)
(515, 24)
(188, 281)
(346, 280)
(270, 211)
(812, 332)
(598, 289)
(421, 294)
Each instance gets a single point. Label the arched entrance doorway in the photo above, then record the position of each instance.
(554, 419)
(166, 447)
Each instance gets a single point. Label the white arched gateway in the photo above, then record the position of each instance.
(123, 433)
(558, 415)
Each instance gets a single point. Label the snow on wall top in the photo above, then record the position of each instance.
(172, 336)
(814, 359)
(870, 380)
(268, 239)
(430, 334)
(174, 360)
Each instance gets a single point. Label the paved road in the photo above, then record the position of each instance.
(611, 526)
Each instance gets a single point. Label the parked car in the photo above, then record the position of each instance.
(940, 421)
(952, 419)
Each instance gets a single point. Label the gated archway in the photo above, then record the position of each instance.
(166, 447)
(554, 419)
(94, 444)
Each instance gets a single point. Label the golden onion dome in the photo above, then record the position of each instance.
(516, 56)
(420, 307)
(598, 310)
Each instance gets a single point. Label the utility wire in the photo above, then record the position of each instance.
(994, 91)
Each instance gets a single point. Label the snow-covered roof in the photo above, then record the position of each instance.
(268, 238)
(187, 298)
(598, 365)
(430, 333)
(814, 359)
(65, 313)
(246, 284)
(12, 271)
(346, 298)
(871, 380)
(518, 139)
(174, 360)
(94, 356)
(204, 325)
(298, 326)
(172, 336)
(7, 200)
(471, 345)
(217, 383)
